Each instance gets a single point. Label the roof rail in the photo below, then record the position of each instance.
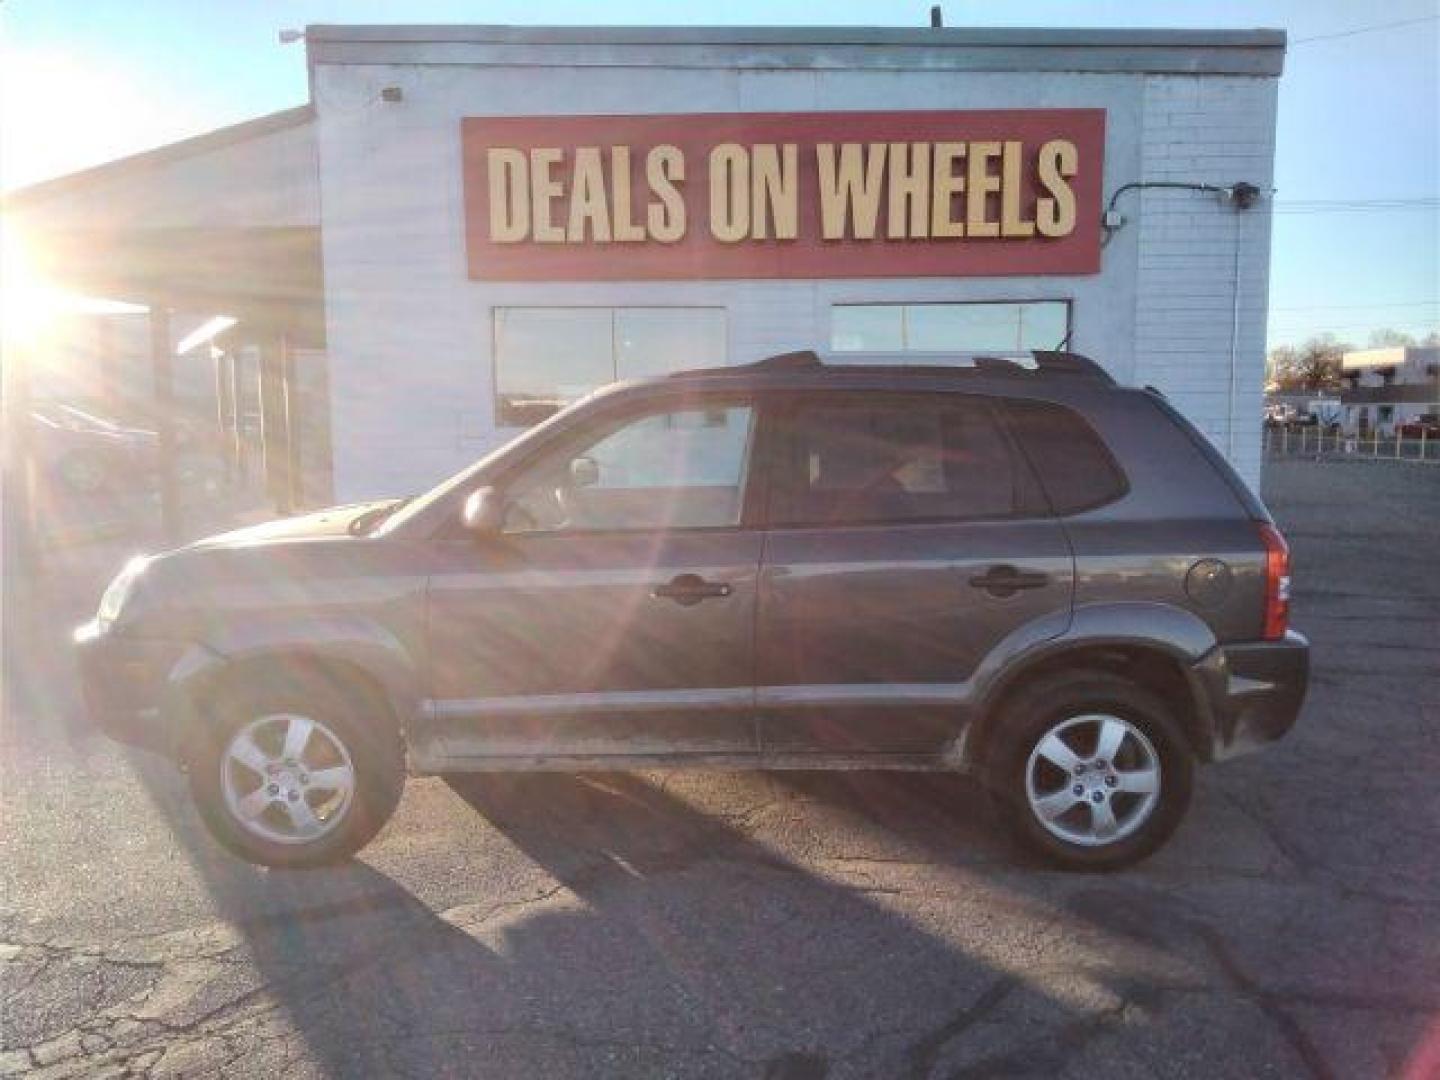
(1054, 362)
(787, 361)
(1043, 362)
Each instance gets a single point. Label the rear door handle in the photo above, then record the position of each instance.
(689, 589)
(1005, 580)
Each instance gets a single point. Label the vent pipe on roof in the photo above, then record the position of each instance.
(937, 17)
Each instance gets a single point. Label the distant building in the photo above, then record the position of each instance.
(1385, 387)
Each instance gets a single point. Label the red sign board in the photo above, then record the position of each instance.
(783, 195)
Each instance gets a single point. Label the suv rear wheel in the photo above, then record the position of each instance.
(296, 773)
(1090, 770)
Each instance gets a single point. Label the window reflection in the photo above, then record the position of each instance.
(963, 328)
(545, 358)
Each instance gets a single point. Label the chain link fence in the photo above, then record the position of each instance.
(1317, 442)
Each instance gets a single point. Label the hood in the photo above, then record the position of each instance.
(332, 521)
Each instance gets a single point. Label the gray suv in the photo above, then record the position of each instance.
(1010, 567)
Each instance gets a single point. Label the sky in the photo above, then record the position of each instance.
(1356, 243)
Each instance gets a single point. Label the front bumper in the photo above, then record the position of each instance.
(123, 680)
(1254, 692)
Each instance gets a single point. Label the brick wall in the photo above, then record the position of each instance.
(411, 337)
(1216, 131)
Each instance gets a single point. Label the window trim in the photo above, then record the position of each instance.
(613, 310)
(993, 405)
(1068, 302)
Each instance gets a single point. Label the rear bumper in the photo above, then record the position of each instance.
(1254, 692)
(123, 681)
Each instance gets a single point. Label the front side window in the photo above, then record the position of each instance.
(546, 358)
(675, 469)
(899, 460)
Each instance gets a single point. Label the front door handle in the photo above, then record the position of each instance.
(1005, 580)
(688, 590)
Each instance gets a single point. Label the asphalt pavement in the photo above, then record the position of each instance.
(779, 926)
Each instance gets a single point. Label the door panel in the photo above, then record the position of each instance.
(907, 539)
(867, 635)
(555, 644)
(615, 613)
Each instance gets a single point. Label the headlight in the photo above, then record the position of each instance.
(119, 591)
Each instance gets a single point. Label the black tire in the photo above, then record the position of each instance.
(1034, 712)
(363, 725)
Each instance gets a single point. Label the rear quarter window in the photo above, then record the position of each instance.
(1075, 467)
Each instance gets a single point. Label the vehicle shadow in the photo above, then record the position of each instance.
(786, 969)
(937, 817)
(671, 943)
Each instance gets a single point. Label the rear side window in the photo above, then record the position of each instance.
(1074, 465)
(882, 459)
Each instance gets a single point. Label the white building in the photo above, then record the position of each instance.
(1389, 386)
(475, 223)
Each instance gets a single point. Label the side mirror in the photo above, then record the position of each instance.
(584, 472)
(484, 512)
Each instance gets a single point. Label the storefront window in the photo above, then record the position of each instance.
(546, 358)
(963, 328)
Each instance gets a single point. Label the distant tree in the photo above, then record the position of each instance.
(1278, 365)
(1381, 339)
(1431, 340)
(1313, 366)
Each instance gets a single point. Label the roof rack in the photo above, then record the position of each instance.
(787, 361)
(1056, 362)
(1042, 362)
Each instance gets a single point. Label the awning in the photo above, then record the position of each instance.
(226, 222)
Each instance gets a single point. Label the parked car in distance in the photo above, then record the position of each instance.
(1427, 425)
(1292, 420)
(87, 453)
(1015, 568)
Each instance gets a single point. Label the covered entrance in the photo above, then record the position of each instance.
(217, 239)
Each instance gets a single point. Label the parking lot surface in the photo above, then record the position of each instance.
(792, 926)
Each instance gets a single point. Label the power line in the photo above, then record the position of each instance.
(1319, 326)
(1373, 200)
(1365, 30)
(1356, 206)
(1349, 307)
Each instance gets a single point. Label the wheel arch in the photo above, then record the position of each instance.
(192, 695)
(1159, 666)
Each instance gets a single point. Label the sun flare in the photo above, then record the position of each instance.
(30, 304)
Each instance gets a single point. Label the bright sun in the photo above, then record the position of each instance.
(30, 306)
(27, 305)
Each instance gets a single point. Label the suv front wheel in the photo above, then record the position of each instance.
(1090, 770)
(295, 770)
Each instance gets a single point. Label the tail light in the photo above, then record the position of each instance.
(1277, 583)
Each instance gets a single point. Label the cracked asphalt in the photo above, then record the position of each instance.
(788, 927)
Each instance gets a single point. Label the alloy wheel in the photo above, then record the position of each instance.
(1093, 780)
(287, 778)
